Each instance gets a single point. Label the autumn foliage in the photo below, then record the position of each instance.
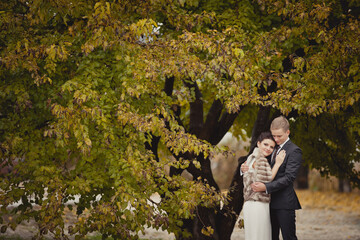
(96, 96)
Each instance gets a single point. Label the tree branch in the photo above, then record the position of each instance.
(224, 125)
(196, 109)
(211, 120)
(215, 127)
(168, 89)
(262, 124)
(169, 85)
(153, 146)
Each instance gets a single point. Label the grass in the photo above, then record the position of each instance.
(345, 202)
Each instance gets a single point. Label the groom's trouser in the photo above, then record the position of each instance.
(283, 219)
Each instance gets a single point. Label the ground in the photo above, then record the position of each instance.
(325, 216)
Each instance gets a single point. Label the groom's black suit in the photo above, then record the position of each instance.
(284, 201)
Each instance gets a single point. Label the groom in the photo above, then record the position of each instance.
(284, 201)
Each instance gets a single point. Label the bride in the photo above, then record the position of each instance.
(256, 204)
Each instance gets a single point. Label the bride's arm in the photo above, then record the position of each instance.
(278, 161)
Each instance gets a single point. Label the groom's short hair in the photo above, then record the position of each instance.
(280, 123)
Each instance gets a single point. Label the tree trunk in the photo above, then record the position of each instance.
(217, 124)
(262, 124)
(344, 185)
(221, 220)
(228, 215)
(301, 181)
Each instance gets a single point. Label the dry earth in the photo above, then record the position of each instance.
(325, 216)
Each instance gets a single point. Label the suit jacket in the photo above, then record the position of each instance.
(282, 191)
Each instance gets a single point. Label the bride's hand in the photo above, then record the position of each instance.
(244, 167)
(280, 157)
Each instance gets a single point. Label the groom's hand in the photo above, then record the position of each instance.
(258, 187)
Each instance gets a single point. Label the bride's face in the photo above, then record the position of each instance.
(266, 146)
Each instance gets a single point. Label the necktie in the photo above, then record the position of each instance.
(274, 153)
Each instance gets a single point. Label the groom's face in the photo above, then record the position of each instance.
(280, 135)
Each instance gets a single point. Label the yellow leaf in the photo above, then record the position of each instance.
(208, 231)
(88, 142)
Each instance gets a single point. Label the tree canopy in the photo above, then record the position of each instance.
(96, 96)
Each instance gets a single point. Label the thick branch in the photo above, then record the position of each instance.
(196, 126)
(262, 124)
(205, 171)
(224, 125)
(215, 127)
(153, 146)
(168, 89)
(191, 169)
(211, 120)
(196, 109)
(169, 85)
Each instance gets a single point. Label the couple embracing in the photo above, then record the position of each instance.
(269, 172)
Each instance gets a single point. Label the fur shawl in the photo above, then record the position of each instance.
(259, 171)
